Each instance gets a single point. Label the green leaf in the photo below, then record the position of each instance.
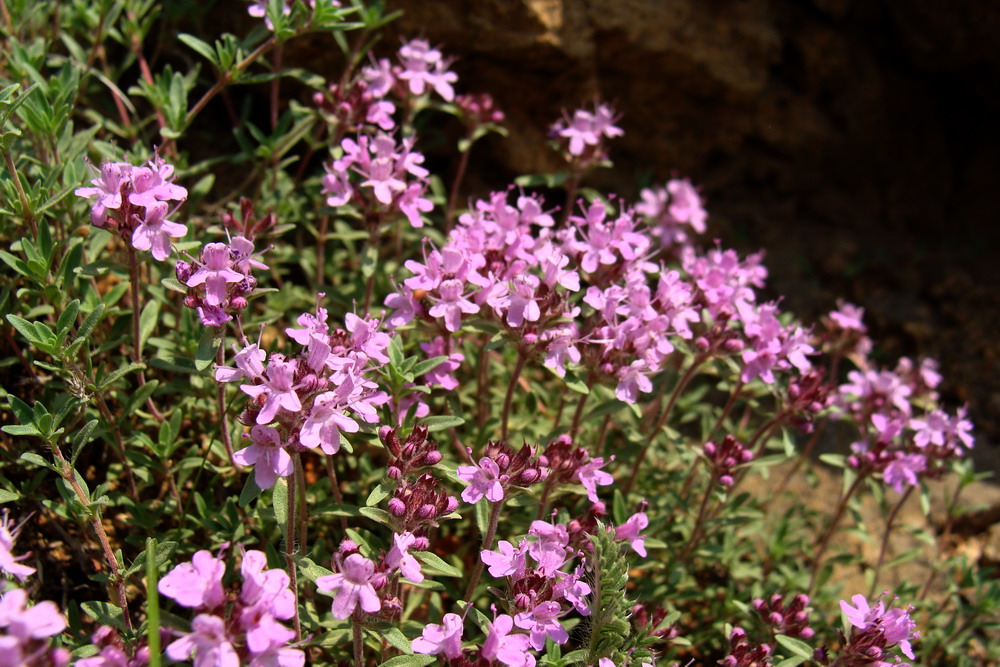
(162, 554)
(435, 565)
(104, 613)
(80, 438)
(396, 352)
(376, 514)
(7, 496)
(279, 501)
(88, 324)
(23, 327)
(795, 646)
(377, 495)
(250, 491)
(397, 639)
(174, 285)
(210, 340)
(415, 660)
(20, 429)
(427, 365)
(311, 570)
(369, 261)
(68, 316)
(147, 322)
(202, 48)
(32, 457)
(118, 374)
(441, 422)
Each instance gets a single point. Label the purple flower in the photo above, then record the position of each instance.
(266, 454)
(507, 560)
(107, 189)
(591, 475)
(351, 586)
(26, 623)
(399, 557)
(630, 531)
(215, 272)
(445, 638)
(208, 640)
(277, 388)
(151, 184)
(8, 562)
(327, 419)
(549, 550)
(249, 363)
(904, 469)
(502, 646)
(196, 584)
(543, 621)
(155, 231)
(424, 67)
(484, 480)
(451, 304)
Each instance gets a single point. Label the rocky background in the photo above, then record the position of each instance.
(854, 141)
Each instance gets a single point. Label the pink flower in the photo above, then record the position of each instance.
(543, 621)
(208, 640)
(630, 531)
(267, 455)
(196, 584)
(445, 638)
(216, 271)
(277, 388)
(8, 562)
(502, 646)
(107, 189)
(399, 557)
(904, 469)
(327, 419)
(424, 68)
(154, 233)
(484, 480)
(37, 622)
(351, 586)
(591, 475)
(506, 560)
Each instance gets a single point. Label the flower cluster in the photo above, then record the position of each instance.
(569, 464)
(132, 202)
(8, 561)
(26, 631)
(790, 619)
(114, 652)
(311, 397)
(723, 458)
(542, 584)
(744, 653)
(876, 632)
(582, 137)
(248, 631)
(673, 213)
(498, 470)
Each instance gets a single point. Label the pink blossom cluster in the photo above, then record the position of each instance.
(220, 281)
(248, 631)
(390, 174)
(904, 434)
(673, 212)
(9, 563)
(258, 8)
(876, 631)
(583, 135)
(787, 618)
(570, 464)
(132, 202)
(543, 585)
(359, 585)
(304, 401)
(744, 653)
(25, 631)
(113, 651)
(498, 470)
(724, 457)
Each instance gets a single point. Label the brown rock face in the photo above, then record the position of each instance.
(852, 140)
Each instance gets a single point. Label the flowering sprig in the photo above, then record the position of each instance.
(875, 632)
(132, 202)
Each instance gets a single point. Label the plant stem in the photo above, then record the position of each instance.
(25, 208)
(491, 531)
(290, 552)
(681, 385)
(152, 604)
(115, 578)
(320, 252)
(463, 164)
(725, 410)
(358, 641)
(696, 530)
(220, 403)
(577, 415)
(133, 277)
(226, 78)
(945, 536)
(515, 376)
(825, 541)
(331, 473)
(885, 539)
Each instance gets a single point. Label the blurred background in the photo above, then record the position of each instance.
(854, 141)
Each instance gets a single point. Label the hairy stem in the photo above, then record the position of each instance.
(133, 278)
(463, 163)
(220, 404)
(491, 531)
(578, 415)
(824, 542)
(115, 578)
(25, 208)
(515, 376)
(290, 551)
(885, 539)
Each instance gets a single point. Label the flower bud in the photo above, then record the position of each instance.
(392, 472)
(378, 581)
(397, 507)
(528, 476)
(348, 547)
(432, 458)
(426, 511)
(238, 303)
(420, 544)
(183, 271)
(702, 343)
